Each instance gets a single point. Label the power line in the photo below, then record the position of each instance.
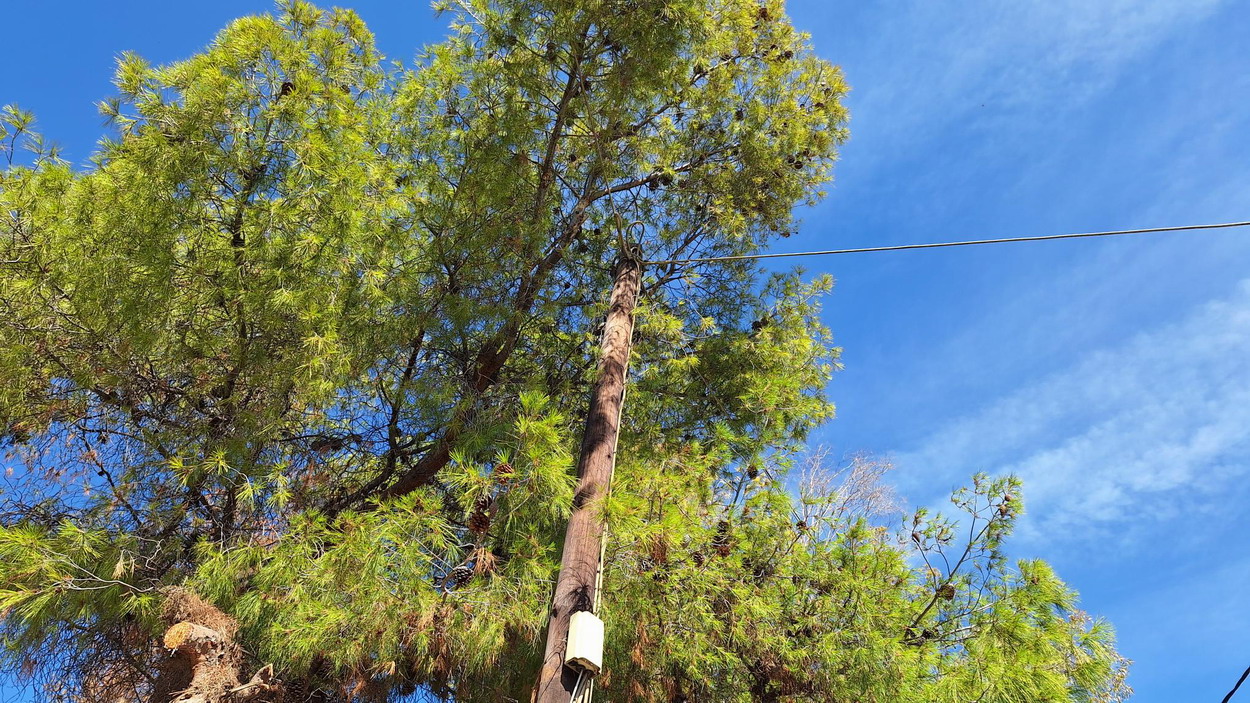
(937, 245)
(1230, 693)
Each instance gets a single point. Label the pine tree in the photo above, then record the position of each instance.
(291, 379)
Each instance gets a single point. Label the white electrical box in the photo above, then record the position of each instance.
(585, 644)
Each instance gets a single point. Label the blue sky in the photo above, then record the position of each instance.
(1112, 375)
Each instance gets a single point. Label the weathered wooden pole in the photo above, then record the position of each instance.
(576, 587)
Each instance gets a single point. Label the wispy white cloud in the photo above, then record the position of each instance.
(1112, 375)
(1041, 57)
(1122, 439)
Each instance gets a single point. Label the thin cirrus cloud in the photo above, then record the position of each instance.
(1122, 440)
(1015, 55)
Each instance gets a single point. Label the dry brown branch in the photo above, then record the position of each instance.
(205, 662)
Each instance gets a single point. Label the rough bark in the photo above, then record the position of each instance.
(579, 569)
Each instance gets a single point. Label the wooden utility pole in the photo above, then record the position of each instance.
(578, 583)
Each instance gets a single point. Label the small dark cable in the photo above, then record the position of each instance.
(1239, 681)
(577, 687)
(936, 245)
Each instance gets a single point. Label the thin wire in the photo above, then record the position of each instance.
(936, 245)
(1239, 681)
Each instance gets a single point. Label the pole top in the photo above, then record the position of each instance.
(630, 250)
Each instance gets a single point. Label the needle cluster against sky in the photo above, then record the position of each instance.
(1113, 376)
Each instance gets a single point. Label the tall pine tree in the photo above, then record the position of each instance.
(291, 381)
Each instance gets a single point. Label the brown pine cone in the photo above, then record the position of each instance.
(721, 541)
(458, 577)
(479, 519)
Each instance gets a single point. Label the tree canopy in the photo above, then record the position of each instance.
(301, 357)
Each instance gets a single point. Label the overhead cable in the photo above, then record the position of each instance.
(937, 245)
(1239, 682)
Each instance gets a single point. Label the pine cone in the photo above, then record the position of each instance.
(721, 541)
(753, 471)
(504, 473)
(479, 522)
(458, 577)
(698, 558)
(295, 691)
(479, 519)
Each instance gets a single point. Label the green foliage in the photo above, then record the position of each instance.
(313, 334)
